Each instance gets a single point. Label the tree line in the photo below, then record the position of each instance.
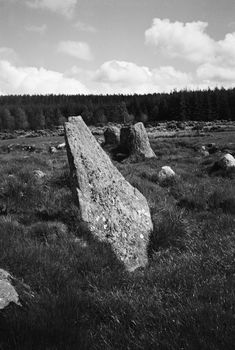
(40, 112)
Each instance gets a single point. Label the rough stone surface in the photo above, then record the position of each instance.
(112, 135)
(134, 140)
(226, 162)
(13, 291)
(165, 173)
(112, 210)
(8, 294)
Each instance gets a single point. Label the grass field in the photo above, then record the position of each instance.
(84, 299)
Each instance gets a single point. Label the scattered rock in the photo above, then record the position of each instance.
(166, 173)
(21, 147)
(38, 174)
(13, 291)
(112, 135)
(61, 146)
(111, 209)
(226, 162)
(203, 151)
(52, 149)
(134, 141)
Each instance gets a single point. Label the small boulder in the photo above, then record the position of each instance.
(52, 149)
(203, 151)
(166, 173)
(134, 142)
(226, 162)
(38, 174)
(112, 135)
(61, 146)
(111, 209)
(13, 291)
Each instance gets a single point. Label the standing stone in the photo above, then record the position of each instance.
(112, 135)
(134, 141)
(113, 210)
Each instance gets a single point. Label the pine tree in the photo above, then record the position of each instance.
(21, 119)
(59, 118)
(8, 119)
(183, 108)
(99, 116)
(38, 121)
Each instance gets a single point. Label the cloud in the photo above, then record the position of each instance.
(189, 41)
(63, 7)
(127, 77)
(84, 27)
(225, 50)
(122, 72)
(77, 49)
(32, 80)
(221, 75)
(176, 39)
(7, 53)
(37, 29)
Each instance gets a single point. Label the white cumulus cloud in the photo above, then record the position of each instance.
(32, 80)
(127, 77)
(189, 41)
(177, 39)
(77, 49)
(214, 59)
(63, 7)
(122, 72)
(225, 49)
(216, 73)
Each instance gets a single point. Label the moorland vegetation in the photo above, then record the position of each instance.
(84, 299)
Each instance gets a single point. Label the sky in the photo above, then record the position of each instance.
(115, 46)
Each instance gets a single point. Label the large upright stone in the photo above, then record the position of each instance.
(134, 141)
(113, 210)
